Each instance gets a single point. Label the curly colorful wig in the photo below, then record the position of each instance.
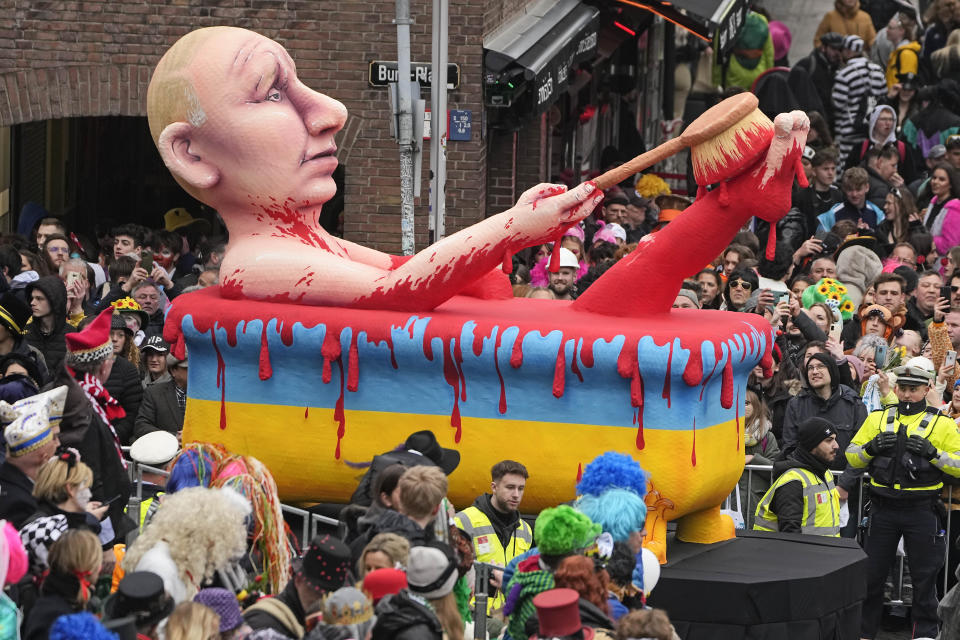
(580, 574)
(563, 530)
(612, 470)
(619, 511)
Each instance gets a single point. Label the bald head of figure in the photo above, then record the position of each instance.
(234, 123)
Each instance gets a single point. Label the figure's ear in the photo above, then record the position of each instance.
(181, 158)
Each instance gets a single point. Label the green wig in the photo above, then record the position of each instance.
(563, 530)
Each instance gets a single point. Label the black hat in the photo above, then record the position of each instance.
(425, 443)
(325, 564)
(909, 274)
(117, 322)
(813, 431)
(140, 594)
(156, 343)
(832, 39)
(14, 313)
(908, 80)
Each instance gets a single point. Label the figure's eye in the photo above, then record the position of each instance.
(273, 95)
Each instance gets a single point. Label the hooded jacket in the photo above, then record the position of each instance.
(847, 22)
(391, 522)
(284, 615)
(53, 346)
(890, 137)
(843, 409)
(788, 500)
(400, 617)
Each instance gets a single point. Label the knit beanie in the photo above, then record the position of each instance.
(813, 431)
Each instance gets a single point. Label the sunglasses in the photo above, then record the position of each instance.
(741, 284)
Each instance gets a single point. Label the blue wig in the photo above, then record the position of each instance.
(612, 470)
(192, 469)
(80, 626)
(619, 511)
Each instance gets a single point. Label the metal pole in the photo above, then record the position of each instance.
(438, 119)
(405, 131)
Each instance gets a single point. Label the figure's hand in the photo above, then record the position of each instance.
(764, 299)
(96, 509)
(835, 349)
(75, 296)
(881, 442)
(138, 275)
(810, 247)
(843, 493)
(940, 310)
(946, 372)
(896, 181)
(922, 447)
(795, 307)
(546, 209)
(883, 384)
(159, 275)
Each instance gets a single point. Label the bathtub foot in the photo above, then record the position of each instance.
(656, 524)
(706, 527)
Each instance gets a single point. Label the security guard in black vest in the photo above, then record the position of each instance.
(907, 449)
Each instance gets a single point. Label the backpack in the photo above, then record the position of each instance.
(861, 119)
(901, 150)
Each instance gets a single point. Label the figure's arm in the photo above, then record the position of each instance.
(857, 455)
(788, 505)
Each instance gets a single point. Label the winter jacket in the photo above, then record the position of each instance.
(22, 347)
(904, 59)
(810, 203)
(788, 499)
(363, 495)
(821, 73)
(934, 39)
(16, 495)
(402, 617)
(53, 346)
(44, 613)
(83, 429)
(847, 22)
(391, 522)
(843, 409)
(870, 213)
(124, 385)
(945, 228)
(856, 81)
(928, 128)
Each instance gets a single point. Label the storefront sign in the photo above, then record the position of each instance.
(730, 24)
(555, 75)
(382, 72)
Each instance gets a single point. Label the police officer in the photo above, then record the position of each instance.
(493, 521)
(804, 499)
(907, 449)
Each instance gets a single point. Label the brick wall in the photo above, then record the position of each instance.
(62, 59)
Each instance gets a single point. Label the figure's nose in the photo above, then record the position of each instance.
(321, 113)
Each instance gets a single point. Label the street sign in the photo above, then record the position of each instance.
(382, 72)
(461, 124)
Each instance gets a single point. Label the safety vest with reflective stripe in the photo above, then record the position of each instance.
(486, 543)
(821, 504)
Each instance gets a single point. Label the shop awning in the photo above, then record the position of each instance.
(543, 45)
(714, 20)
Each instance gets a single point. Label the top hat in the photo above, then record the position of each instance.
(425, 443)
(558, 612)
(325, 564)
(140, 594)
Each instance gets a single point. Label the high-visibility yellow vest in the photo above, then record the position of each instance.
(821, 504)
(487, 547)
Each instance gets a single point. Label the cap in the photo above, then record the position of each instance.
(93, 343)
(431, 570)
(325, 564)
(224, 603)
(179, 217)
(853, 43)
(116, 322)
(30, 431)
(908, 80)
(936, 151)
(832, 39)
(155, 448)
(917, 371)
(155, 343)
(689, 294)
(809, 152)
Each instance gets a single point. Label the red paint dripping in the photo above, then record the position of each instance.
(738, 419)
(286, 333)
(693, 372)
(638, 420)
(393, 357)
(266, 371)
(766, 362)
(458, 360)
(452, 377)
(554, 265)
(507, 265)
(353, 365)
(666, 382)
(558, 371)
(726, 389)
(716, 361)
(338, 413)
(478, 342)
(221, 379)
(573, 363)
(516, 354)
(586, 353)
(771, 251)
(502, 407)
(330, 351)
(306, 412)
(801, 179)
(579, 472)
(693, 452)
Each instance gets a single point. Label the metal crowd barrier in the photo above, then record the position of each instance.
(749, 508)
(311, 521)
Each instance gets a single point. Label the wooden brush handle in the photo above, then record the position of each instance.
(641, 162)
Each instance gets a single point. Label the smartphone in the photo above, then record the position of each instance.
(951, 358)
(146, 260)
(836, 330)
(880, 356)
(111, 500)
(72, 277)
(780, 296)
(945, 291)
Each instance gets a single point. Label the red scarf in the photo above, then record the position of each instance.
(104, 404)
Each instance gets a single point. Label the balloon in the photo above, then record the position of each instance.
(651, 571)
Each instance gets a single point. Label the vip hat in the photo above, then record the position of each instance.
(383, 582)
(155, 448)
(14, 313)
(155, 343)
(225, 604)
(813, 431)
(28, 432)
(425, 443)
(917, 371)
(431, 570)
(52, 401)
(93, 343)
(129, 305)
(558, 614)
(178, 218)
(140, 594)
(853, 43)
(809, 153)
(325, 564)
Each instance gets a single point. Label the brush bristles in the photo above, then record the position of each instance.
(722, 156)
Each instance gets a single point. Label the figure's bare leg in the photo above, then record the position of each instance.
(706, 527)
(656, 525)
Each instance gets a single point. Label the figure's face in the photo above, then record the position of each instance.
(884, 125)
(374, 560)
(119, 338)
(891, 206)
(955, 291)
(827, 450)
(508, 491)
(826, 173)
(906, 255)
(615, 213)
(817, 374)
(889, 295)
(911, 392)
(886, 167)
(45, 230)
(562, 281)
(730, 261)
(799, 286)
(572, 245)
(179, 375)
(59, 251)
(940, 183)
(928, 290)
(823, 268)
(132, 321)
(156, 362)
(819, 317)
(683, 302)
(895, 30)
(953, 327)
(122, 245)
(708, 284)
(857, 195)
(635, 215)
(739, 291)
(148, 298)
(266, 133)
(911, 341)
(874, 326)
(207, 279)
(39, 304)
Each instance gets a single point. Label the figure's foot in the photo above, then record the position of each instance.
(656, 524)
(706, 527)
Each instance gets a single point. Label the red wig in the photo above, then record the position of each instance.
(578, 573)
